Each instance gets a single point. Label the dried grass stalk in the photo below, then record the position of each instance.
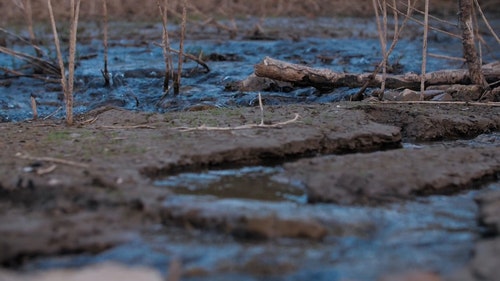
(33, 107)
(58, 46)
(486, 22)
(163, 9)
(105, 72)
(40, 64)
(67, 83)
(409, 12)
(28, 15)
(75, 12)
(424, 50)
(422, 23)
(177, 83)
(382, 34)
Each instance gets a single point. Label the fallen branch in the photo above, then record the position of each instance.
(325, 79)
(51, 159)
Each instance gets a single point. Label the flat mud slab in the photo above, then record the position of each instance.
(375, 178)
(100, 191)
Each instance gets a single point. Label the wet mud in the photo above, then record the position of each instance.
(208, 186)
(152, 189)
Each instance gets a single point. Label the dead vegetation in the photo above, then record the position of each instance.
(468, 21)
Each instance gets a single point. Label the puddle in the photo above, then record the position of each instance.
(259, 183)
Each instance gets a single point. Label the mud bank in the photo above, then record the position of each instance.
(108, 190)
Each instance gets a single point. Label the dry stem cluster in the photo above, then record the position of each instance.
(469, 35)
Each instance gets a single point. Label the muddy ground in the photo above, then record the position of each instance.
(82, 195)
(205, 185)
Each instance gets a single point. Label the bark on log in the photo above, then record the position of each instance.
(325, 79)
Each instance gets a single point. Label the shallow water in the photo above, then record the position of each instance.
(137, 64)
(435, 233)
(259, 183)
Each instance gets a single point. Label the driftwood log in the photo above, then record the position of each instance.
(325, 79)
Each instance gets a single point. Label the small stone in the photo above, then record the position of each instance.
(408, 95)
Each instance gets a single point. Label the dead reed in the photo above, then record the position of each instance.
(39, 65)
(424, 50)
(397, 34)
(34, 107)
(26, 7)
(67, 83)
(167, 55)
(105, 72)
(177, 83)
(382, 32)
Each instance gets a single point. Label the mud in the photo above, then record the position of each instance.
(138, 191)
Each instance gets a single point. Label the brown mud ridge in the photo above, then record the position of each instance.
(89, 188)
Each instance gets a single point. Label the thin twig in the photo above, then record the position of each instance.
(53, 113)
(210, 20)
(242, 127)
(51, 159)
(129, 127)
(486, 21)
(422, 23)
(445, 57)
(33, 107)
(177, 83)
(167, 56)
(105, 72)
(261, 110)
(188, 56)
(359, 94)
(424, 50)
(430, 16)
(19, 38)
(40, 63)
(58, 46)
